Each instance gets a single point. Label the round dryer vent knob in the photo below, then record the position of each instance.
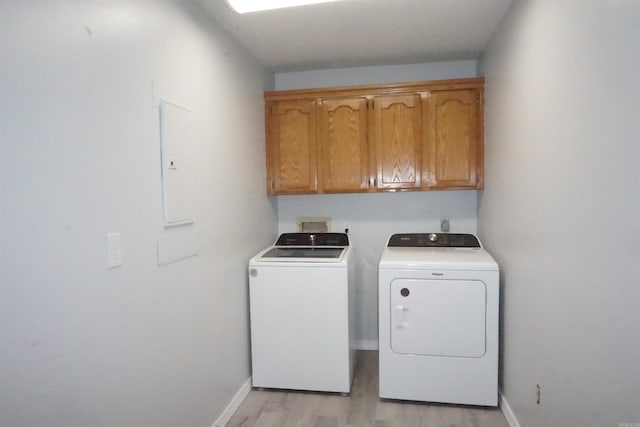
(433, 237)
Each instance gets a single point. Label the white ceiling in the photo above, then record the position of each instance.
(363, 32)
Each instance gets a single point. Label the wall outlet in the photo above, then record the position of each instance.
(444, 225)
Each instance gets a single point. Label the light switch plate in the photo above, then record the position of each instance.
(114, 250)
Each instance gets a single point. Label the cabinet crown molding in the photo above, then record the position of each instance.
(375, 89)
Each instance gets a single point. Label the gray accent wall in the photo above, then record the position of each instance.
(138, 345)
(561, 206)
(377, 74)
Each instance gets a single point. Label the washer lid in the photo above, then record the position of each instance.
(281, 256)
(298, 252)
(476, 259)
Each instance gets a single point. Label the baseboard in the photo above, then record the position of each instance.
(366, 344)
(508, 413)
(233, 406)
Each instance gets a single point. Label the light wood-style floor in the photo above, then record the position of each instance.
(362, 407)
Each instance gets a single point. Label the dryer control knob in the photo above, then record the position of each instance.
(433, 237)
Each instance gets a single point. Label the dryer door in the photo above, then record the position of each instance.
(438, 317)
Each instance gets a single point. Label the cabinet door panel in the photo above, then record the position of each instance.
(455, 143)
(292, 147)
(398, 141)
(343, 151)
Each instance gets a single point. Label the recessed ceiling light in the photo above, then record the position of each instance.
(245, 6)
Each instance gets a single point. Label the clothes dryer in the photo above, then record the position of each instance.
(438, 320)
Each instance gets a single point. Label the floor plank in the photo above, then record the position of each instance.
(361, 408)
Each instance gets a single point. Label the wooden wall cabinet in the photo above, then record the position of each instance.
(397, 138)
(291, 147)
(343, 151)
(413, 136)
(454, 149)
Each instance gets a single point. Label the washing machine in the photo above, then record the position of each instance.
(301, 296)
(438, 319)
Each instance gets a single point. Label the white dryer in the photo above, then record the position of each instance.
(438, 320)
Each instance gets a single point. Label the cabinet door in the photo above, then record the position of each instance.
(398, 141)
(291, 147)
(454, 147)
(343, 164)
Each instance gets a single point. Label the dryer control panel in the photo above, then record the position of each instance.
(434, 240)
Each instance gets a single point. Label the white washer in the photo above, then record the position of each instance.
(438, 320)
(301, 291)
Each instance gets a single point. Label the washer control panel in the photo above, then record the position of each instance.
(313, 239)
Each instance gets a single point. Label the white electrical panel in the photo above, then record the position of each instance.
(178, 164)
